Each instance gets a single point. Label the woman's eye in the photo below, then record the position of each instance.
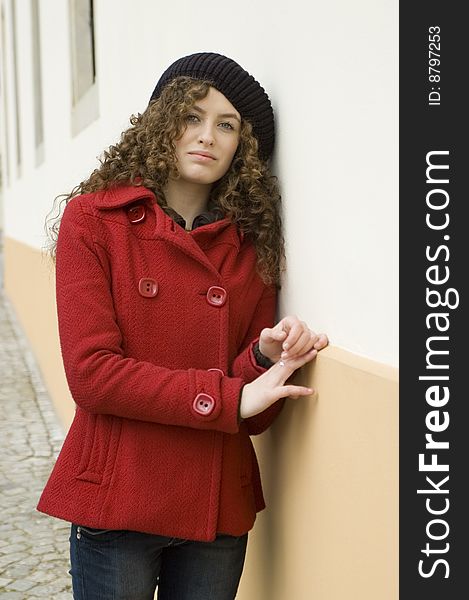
(227, 125)
(192, 118)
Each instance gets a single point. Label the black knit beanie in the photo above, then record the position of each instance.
(236, 84)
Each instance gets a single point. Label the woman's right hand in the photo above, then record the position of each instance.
(270, 386)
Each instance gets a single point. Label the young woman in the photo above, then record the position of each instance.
(168, 260)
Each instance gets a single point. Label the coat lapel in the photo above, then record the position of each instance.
(192, 243)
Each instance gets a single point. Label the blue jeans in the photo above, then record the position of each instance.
(128, 565)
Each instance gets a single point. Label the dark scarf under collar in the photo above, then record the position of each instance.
(204, 218)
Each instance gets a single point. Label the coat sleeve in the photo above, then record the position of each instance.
(245, 364)
(101, 379)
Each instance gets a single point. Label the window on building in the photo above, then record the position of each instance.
(37, 82)
(4, 96)
(84, 82)
(15, 88)
(10, 117)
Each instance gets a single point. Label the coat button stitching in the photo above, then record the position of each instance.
(216, 296)
(148, 287)
(136, 214)
(203, 404)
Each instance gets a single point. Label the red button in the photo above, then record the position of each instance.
(136, 214)
(203, 404)
(148, 288)
(215, 369)
(216, 296)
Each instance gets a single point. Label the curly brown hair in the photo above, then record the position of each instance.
(248, 194)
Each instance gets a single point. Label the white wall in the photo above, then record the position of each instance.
(330, 69)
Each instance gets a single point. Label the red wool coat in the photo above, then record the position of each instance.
(157, 327)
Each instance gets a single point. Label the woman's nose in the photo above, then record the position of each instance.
(206, 135)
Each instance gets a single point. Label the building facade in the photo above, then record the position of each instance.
(71, 75)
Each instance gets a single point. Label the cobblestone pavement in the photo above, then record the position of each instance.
(33, 547)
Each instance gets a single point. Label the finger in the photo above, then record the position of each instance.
(286, 367)
(321, 342)
(280, 334)
(273, 334)
(305, 342)
(300, 360)
(295, 332)
(287, 322)
(295, 391)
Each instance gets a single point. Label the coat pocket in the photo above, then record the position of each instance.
(100, 443)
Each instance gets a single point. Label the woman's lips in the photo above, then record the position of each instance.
(202, 157)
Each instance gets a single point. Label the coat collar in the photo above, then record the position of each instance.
(123, 195)
(119, 196)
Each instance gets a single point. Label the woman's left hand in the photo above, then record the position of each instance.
(290, 338)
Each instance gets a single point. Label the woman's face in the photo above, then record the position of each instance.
(206, 148)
